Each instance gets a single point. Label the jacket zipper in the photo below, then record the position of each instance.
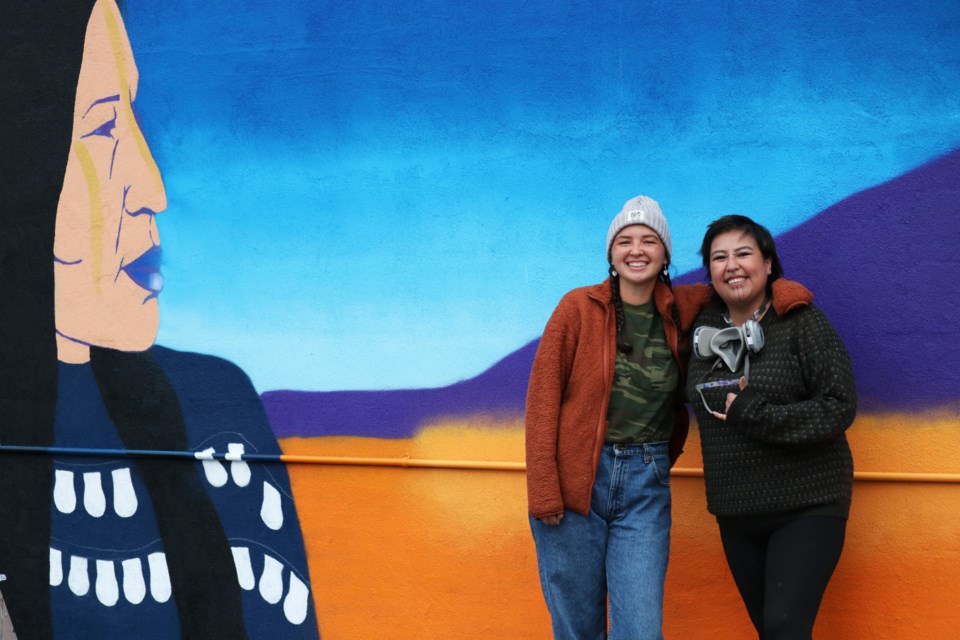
(608, 380)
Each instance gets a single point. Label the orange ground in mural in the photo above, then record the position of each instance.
(424, 553)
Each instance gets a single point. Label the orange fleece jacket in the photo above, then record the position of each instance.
(570, 383)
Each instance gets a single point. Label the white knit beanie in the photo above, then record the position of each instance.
(645, 211)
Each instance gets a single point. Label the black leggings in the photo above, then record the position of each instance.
(782, 570)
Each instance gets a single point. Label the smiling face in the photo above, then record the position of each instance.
(738, 271)
(638, 255)
(106, 249)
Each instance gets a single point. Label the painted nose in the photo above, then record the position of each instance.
(144, 192)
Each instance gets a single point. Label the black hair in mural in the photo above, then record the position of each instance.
(43, 45)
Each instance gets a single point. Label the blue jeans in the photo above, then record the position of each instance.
(619, 550)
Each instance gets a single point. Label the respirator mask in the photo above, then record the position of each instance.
(732, 345)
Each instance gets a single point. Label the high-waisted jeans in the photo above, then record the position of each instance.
(619, 550)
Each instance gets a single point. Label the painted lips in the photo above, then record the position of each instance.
(145, 271)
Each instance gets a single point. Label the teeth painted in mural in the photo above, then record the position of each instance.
(239, 469)
(134, 586)
(107, 588)
(296, 604)
(64, 495)
(124, 496)
(56, 567)
(271, 581)
(159, 577)
(93, 499)
(77, 578)
(212, 469)
(125, 501)
(241, 559)
(271, 511)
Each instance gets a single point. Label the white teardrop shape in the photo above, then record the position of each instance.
(124, 496)
(297, 600)
(241, 560)
(216, 474)
(239, 469)
(78, 580)
(56, 567)
(64, 494)
(271, 510)
(108, 591)
(159, 577)
(271, 582)
(134, 587)
(93, 499)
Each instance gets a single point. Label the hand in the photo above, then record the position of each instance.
(552, 520)
(730, 398)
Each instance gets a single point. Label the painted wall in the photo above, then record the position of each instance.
(367, 213)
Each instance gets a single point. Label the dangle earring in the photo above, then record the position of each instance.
(613, 272)
(666, 270)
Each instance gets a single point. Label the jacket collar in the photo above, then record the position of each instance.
(602, 293)
(789, 295)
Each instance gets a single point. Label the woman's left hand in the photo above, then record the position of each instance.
(730, 398)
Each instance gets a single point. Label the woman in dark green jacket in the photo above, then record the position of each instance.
(773, 391)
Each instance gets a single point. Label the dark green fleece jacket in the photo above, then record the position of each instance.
(782, 447)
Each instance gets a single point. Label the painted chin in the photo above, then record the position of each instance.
(140, 324)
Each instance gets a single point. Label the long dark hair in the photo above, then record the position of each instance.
(43, 49)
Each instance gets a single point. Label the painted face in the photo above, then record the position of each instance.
(638, 255)
(739, 271)
(106, 249)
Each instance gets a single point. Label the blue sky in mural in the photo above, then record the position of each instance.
(373, 195)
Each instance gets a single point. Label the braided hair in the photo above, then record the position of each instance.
(623, 346)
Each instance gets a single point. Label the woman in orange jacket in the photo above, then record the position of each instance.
(604, 424)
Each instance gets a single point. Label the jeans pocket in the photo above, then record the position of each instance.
(661, 465)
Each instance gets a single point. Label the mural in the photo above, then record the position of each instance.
(368, 211)
(110, 533)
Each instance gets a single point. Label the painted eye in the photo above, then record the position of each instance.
(106, 129)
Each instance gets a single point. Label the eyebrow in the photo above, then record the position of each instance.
(643, 235)
(741, 248)
(115, 98)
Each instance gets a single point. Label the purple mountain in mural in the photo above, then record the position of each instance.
(870, 259)
(500, 390)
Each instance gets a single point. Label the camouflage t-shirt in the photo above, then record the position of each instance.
(645, 381)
